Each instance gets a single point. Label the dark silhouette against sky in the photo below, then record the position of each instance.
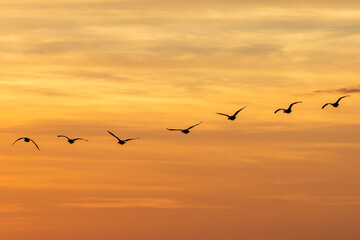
(232, 117)
(335, 104)
(26, 139)
(289, 110)
(72, 140)
(122, 142)
(185, 131)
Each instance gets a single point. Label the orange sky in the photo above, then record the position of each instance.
(79, 67)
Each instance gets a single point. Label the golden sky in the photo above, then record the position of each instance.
(79, 68)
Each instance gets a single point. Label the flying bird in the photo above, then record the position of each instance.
(27, 140)
(287, 110)
(122, 142)
(233, 117)
(335, 104)
(72, 140)
(185, 131)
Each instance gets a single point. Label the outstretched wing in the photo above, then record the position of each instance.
(194, 126)
(342, 98)
(35, 144)
(63, 136)
(294, 104)
(130, 139)
(18, 140)
(114, 135)
(325, 105)
(279, 110)
(80, 139)
(238, 111)
(223, 114)
(172, 129)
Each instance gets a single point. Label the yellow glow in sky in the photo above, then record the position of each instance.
(79, 68)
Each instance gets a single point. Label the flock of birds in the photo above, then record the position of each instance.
(186, 130)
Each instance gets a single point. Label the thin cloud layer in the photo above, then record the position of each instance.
(355, 89)
(142, 203)
(185, 4)
(8, 208)
(341, 200)
(135, 68)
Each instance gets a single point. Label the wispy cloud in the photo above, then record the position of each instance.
(172, 3)
(259, 49)
(355, 89)
(42, 91)
(18, 220)
(6, 208)
(342, 90)
(338, 200)
(142, 203)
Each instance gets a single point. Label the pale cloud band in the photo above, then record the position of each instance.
(142, 203)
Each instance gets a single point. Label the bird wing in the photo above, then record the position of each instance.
(18, 140)
(173, 129)
(114, 135)
(325, 105)
(342, 98)
(63, 136)
(223, 114)
(194, 125)
(238, 111)
(130, 139)
(35, 144)
(294, 104)
(279, 110)
(80, 139)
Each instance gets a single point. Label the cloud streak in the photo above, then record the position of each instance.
(164, 203)
(33, 90)
(341, 200)
(342, 90)
(7, 208)
(355, 89)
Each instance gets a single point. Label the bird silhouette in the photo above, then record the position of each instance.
(185, 131)
(287, 110)
(71, 140)
(335, 104)
(122, 142)
(26, 139)
(233, 117)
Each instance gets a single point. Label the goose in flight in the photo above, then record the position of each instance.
(287, 110)
(232, 118)
(27, 140)
(185, 131)
(72, 140)
(122, 142)
(335, 104)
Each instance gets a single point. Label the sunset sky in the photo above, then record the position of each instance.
(79, 68)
